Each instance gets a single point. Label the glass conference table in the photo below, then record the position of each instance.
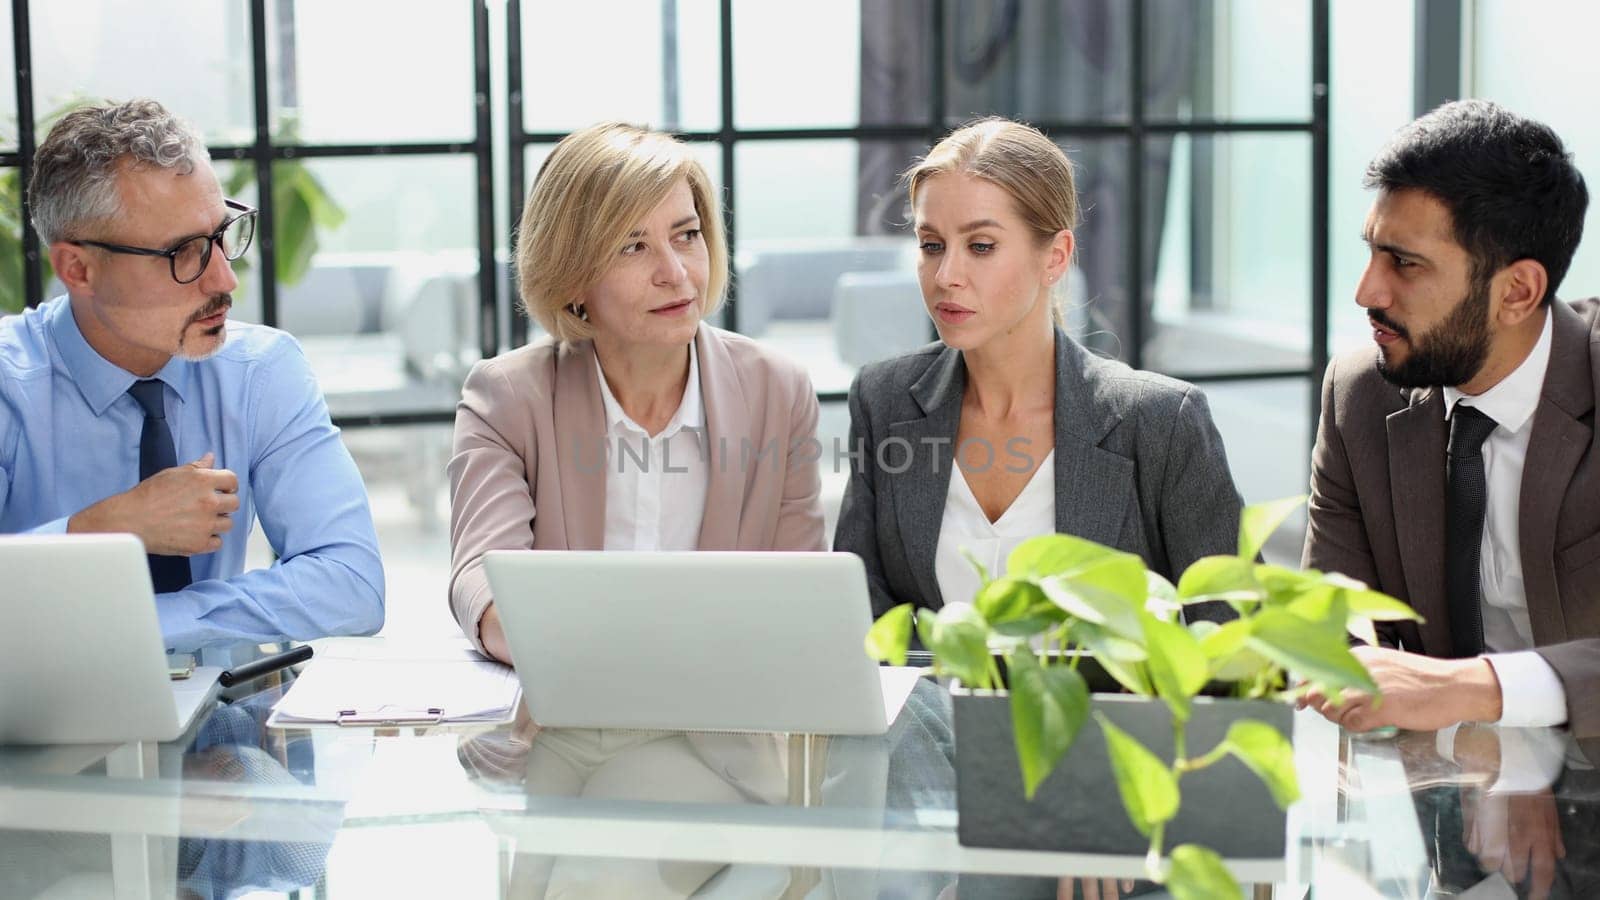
(515, 811)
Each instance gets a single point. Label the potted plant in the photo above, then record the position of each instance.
(1034, 659)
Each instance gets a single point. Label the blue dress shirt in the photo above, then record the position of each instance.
(69, 438)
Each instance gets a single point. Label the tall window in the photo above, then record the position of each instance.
(1203, 134)
(1199, 131)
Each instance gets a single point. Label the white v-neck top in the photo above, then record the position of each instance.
(965, 526)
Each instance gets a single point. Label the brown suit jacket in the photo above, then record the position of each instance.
(530, 430)
(1378, 503)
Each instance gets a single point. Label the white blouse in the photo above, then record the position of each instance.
(656, 486)
(965, 526)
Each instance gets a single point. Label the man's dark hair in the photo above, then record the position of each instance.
(1508, 182)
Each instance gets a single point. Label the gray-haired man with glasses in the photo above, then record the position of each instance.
(132, 405)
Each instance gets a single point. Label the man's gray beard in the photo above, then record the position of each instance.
(184, 352)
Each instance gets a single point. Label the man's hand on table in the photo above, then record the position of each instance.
(1418, 693)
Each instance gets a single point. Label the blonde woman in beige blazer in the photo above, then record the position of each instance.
(620, 256)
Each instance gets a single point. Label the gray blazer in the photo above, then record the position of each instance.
(1138, 465)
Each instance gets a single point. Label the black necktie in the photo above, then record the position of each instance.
(167, 573)
(1463, 537)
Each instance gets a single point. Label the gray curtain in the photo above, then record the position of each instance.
(1035, 60)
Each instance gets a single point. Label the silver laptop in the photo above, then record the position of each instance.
(81, 655)
(695, 641)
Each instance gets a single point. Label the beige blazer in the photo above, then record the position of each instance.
(526, 470)
(1378, 504)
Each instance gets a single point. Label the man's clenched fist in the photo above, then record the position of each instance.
(181, 511)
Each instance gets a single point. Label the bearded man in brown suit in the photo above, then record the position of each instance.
(1457, 468)
(1486, 521)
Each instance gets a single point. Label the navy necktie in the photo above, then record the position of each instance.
(167, 573)
(1463, 537)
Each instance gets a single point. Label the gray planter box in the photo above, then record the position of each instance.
(1077, 807)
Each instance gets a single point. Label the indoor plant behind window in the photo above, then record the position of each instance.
(304, 212)
(1070, 614)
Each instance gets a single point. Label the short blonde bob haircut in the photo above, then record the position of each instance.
(591, 193)
(1017, 157)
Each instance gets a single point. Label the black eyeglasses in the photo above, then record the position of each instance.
(190, 256)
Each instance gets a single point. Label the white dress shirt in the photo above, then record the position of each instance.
(1531, 694)
(656, 486)
(966, 526)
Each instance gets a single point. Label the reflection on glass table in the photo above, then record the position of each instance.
(516, 811)
(755, 797)
(154, 842)
(229, 749)
(1499, 812)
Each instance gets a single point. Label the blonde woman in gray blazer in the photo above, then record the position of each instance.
(1007, 428)
(634, 425)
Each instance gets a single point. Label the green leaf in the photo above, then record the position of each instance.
(924, 625)
(1122, 659)
(1061, 594)
(1122, 575)
(1268, 754)
(1218, 578)
(1004, 599)
(1370, 604)
(1039, 620)
(13, 294)
(1315, 597)
(1284, 585)
(958, 637)
(1228, 658)
(1161, 597)
(302, 206)
(1149, 789)
(1048, 707)
(1315, 651)
(1017, 608)
(1379, 607)
(1198, 874)
(1052, 554)
(888, 637)
(1219, 642)
(1177, 666)
(296, 242)
(1243, 667)
(324, 211)
(1092, 603)
(1363, 630)
(1260, 520)
(1321, 606)
(1159, 588)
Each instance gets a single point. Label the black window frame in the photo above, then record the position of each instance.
(1135, 128)
(264, 151)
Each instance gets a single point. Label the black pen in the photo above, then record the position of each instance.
(266, 665)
